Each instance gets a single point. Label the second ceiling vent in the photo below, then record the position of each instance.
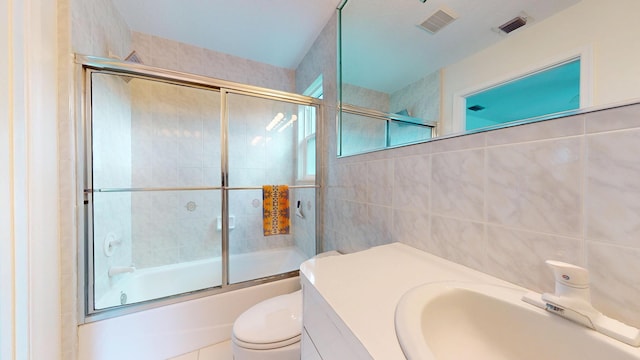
(438, 20)
(513, 24)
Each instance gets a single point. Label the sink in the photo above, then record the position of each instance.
(456, 320)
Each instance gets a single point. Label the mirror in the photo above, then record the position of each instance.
(421, 60)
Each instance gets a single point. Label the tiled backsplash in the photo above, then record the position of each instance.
(504, 201)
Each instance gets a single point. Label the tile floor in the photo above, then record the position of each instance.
(221, 351)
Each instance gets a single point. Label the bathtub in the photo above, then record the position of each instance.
(163, 281)
(179, 328)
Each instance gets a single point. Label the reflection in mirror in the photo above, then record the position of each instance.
(549, 91)
(364, 130)
(393, 60)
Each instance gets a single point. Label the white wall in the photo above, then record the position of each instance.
(29, 276)
(610, 29)
(7, 320)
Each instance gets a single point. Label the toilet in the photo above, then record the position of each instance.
(271, 329)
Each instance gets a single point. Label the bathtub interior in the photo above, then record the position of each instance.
(168, 280)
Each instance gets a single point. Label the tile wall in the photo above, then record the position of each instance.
(111, 137)
(175, 143)
(421, 98)
(168, 54)
(504, 201)
(85, 27)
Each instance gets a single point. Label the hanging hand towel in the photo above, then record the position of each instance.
(275, 210)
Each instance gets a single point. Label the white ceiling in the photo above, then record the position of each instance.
(383, 48)
(399, 53)
(276, 32)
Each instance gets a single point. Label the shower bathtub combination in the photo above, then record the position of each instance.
(173, 175)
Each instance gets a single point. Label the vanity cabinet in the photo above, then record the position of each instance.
(325, 336)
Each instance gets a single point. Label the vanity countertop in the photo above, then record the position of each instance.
(363, 288)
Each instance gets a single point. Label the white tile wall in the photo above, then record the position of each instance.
(504, 201)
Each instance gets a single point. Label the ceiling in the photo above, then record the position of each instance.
(381, 32)
(381, 37)
(275, 32)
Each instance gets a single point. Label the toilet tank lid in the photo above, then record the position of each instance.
(272, 320)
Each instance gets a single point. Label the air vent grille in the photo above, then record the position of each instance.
(513, 24)
(438, 20)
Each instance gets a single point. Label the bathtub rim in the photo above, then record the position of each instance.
(291, 256)
(121, 310)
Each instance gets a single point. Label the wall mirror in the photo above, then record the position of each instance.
(413, 70)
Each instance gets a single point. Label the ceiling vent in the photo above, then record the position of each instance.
(513, 24)
(438, 20)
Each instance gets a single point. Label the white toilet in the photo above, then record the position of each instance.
(271, 329)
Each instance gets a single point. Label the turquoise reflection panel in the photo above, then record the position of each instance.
(546, 92)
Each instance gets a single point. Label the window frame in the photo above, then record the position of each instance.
(307, 129)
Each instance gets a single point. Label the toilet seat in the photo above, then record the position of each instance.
(271, 324)
(267, 346)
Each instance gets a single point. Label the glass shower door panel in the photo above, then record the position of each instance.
(264, 146)
(171, 246)
(153, 234)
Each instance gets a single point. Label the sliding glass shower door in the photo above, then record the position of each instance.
(175, 179)
(264, 148)
(155, 157)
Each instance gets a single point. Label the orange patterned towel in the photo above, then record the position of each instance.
(275, 210)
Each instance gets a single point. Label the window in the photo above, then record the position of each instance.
(551, 90)
(307, 134)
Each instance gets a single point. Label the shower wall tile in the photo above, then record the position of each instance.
(613, 205)
(367, 98)
(169, 54)
(112, 159)
(190, 176)
(164, 53)
(190, 152)
(191, 58)
(536, 186)
(80, 31)
(615, 287)
(421, 98)
(173, 120)
(98, 29)
(304, 229)
(457, 184)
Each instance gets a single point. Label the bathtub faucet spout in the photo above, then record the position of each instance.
(117, 270)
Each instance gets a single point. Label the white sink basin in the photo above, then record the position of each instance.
(478, 321)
